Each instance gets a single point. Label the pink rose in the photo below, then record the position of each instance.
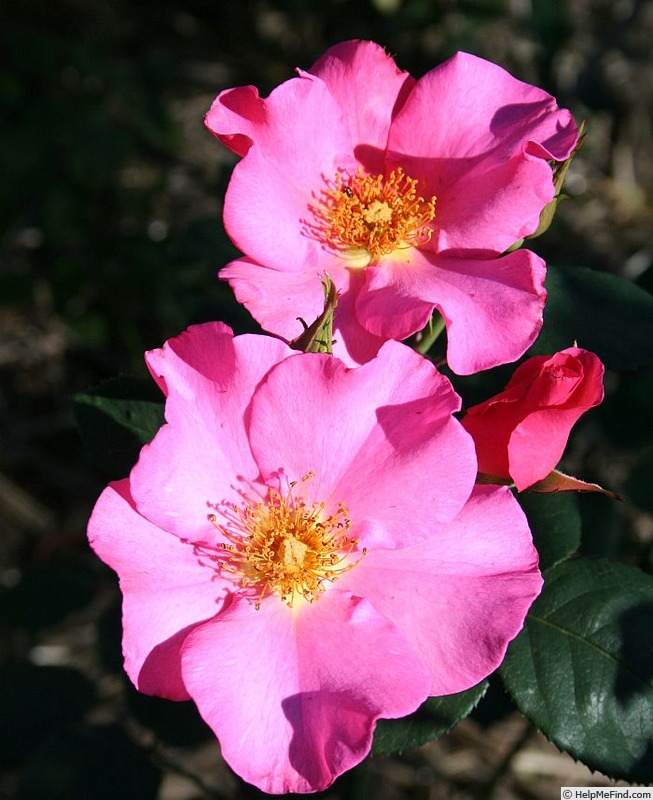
(405, 192)
(521, 433)
(301, 550)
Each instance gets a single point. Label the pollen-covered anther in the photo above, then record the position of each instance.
(286, 545)
(375, 213)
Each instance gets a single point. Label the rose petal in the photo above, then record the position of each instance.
(166, 589)
(299, 141)
(492, 307)
(280, 301)
(293, 694)
(194, 460)
(352, 343)
(521, 432)
(367, 434)
(462, 595)
(276, 299)
(369, 89)
(483, 152)
(490, 207)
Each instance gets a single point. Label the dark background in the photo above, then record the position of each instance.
(110, 237)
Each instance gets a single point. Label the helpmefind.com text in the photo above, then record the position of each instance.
(598, 793)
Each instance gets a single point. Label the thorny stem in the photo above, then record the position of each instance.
(427, 338)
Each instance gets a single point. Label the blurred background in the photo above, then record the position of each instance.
(110, 241)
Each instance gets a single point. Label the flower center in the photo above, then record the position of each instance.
(368, 216)
(286, 545)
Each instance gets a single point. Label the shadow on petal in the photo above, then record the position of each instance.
(332, 732)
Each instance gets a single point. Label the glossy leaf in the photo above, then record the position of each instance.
(432, 719)
(117, 419)
(555, 524)
(608, 315)
(582, 668)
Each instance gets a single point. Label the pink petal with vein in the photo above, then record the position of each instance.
(293, 694)
(202, 456)
(166, 590)
(368, 434)
(492, 307)
(462, 595)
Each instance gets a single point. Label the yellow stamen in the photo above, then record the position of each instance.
(373, 214)
(285, 545)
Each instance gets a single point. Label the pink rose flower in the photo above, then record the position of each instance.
(301, 550)
(405, 192)
(521, 433)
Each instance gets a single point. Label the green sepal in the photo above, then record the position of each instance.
(318, 336)
(426, 338)
(557, 481)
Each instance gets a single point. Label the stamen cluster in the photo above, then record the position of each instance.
(376, 213)
(285, 545)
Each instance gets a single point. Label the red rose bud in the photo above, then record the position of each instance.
(521, 433)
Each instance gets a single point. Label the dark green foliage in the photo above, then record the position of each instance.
(434, 717)
(582, 670)
(555, 524)
(117, 419)
(603, 313)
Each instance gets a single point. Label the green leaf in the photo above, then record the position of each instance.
(626, 414)
(117, 419)
(555, 524)
(433, 718)
(604, 527)
(608, 315)
(582, 668)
